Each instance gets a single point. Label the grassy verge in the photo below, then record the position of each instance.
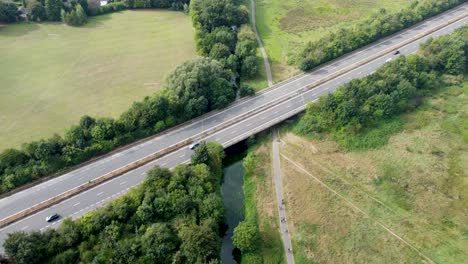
(52, 74)
(415, 185)
(260, 202)
(286, 25)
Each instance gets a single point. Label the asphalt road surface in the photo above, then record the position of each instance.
(285, 234)
(99, 195)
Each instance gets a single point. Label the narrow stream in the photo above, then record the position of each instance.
(233, 196)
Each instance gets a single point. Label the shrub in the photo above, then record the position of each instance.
(36, 11)
(76, 17)
(246, 90)
(8, 11)
(53, 9)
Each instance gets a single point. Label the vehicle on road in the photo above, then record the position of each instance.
(396, 52)
(194, 145)
(52, 217)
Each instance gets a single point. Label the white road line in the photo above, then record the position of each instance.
(99, 193)
(76, 204)
(23, 228)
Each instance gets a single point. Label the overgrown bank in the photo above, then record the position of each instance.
(397, 87)
(173, 217)
(258, 235)
(380, 25)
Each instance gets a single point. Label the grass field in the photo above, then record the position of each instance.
(343, 206)
(51, 74)
(286, 25)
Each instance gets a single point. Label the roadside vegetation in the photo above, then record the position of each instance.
(286, 26)
(260, 208)
(172, 217)
(192, 89)
(415, 185)
(385, 153)
(98, 69)
(308, 33)
(351, 113)
(379, 25)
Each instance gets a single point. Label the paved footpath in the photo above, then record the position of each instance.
(284, 231)
(260, 45)
(285, 235)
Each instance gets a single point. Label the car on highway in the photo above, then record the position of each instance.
(53, 217)
(396, 52)
(194, 145)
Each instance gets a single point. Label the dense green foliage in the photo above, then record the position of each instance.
(380, 25)
(201, 85)
(8, 11)
(75, 17)
(246, 237)
(105, 9)
(173, 217)
(222, 35)
(395, 88)
(53, 8)
(36, 11)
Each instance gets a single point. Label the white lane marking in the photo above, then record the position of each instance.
(76, 204)
(181, 156)
(23, 228)
(122, 183)
(99, 193)
(163, 164)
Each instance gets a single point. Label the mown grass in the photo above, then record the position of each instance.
(286, 25)
(415, 185)
(51, 74)
(260, 203)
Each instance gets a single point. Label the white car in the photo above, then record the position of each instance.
(194, 145)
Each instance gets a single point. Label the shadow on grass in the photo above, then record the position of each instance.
(97, 21)
(17, 29)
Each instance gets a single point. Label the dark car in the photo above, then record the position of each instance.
(396, 52)
(52, 217)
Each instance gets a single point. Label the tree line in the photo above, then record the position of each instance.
(379, 25)
(192, 89)
(395, 88)
(219, 36)
(75, 12)
(173, 217)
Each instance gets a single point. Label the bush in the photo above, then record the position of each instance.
(36, 11)
(246, 237)
(53, 9)
(246, 90)
(8, 11)
(76, 17)
(109, 8)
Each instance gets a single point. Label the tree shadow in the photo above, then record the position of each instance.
(17, 29)
(97, 21)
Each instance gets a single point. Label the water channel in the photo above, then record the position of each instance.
(233, 196)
